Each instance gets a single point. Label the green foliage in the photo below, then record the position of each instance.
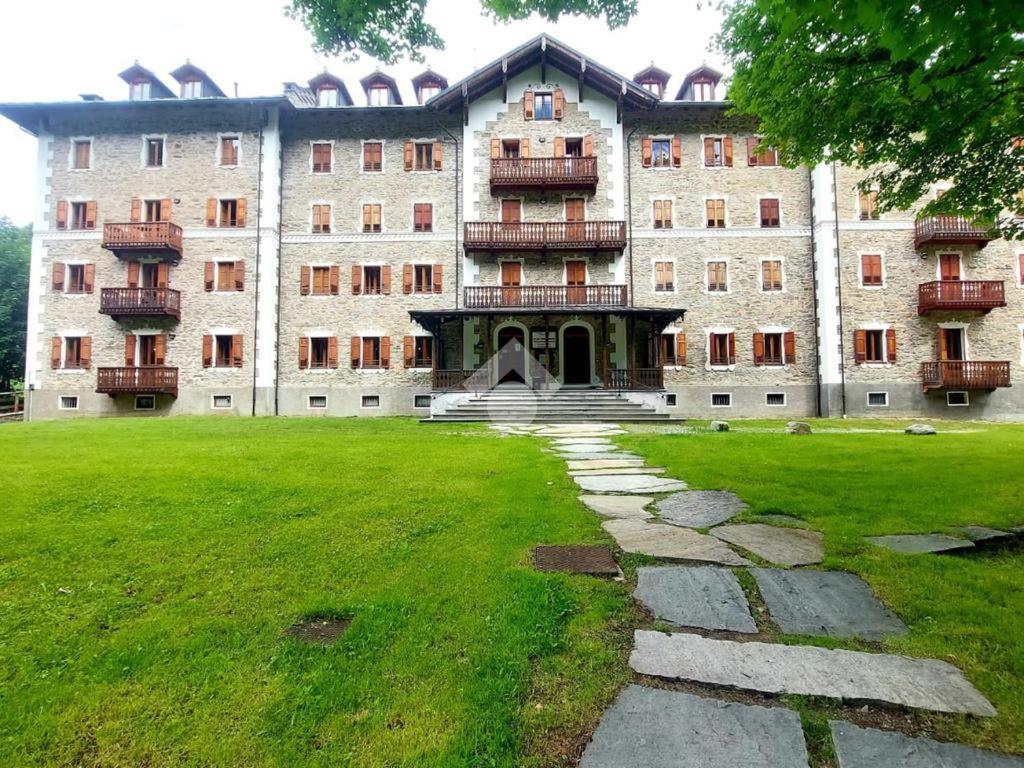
(390, 30)
(933, 90)
(15, 245)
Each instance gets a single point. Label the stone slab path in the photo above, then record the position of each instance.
(807, 670)
(581, 440)
(704, 597)
(591, 456)
(869, 748)
(825, 603)
(573, 464)
(619, 506)
(618, 471)
(670, 543)
(985, 536)
(629, 484)
(782, 546)
(649, 728)
(585, 448)
(919, 544)
(700, 509)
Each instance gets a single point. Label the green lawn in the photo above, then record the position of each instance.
(968, 610)
(149, 569)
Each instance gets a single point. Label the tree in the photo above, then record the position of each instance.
(15, 246)
(915, 91)
(389, 30)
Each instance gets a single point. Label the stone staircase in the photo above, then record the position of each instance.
(519, 404)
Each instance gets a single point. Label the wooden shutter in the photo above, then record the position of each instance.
(558, 103)
(588, 145)
(240, 215)
(90, 215)
(727, 145)
(165, 209)
(134, 268)
(160, 348)
(408, 155)
(357, 281)
(949, 266)
(407, 278)
(207, 351)
(860, 346)
(680, 349)
(335, 280)
(354, 350)
(438, 150)
(163, 275)
(55, 352)
(524, 148)
(236, 350)
(646, 152)
(408, 347)
(943, 346)
(677, 151)
(385, 279)
(85, 352)
(528, 105)
(385, 351)
(1021, 268)
(90, 277)
(239, 275)
(789, 345)
(709, 150)
(758, 349)
(890, 344)
(303, 352)
(732, 348)
(305, 280)
(208, 270)
(136, 210)
(559, 146)
(129, 350)
(58, 275)
(495, 149)
(437, 278)
(332, 352)
(211, 212)
(752, 143)
(62, 214)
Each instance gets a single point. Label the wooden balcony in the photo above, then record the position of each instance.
(488, 296)
(634, 378)
(950, 230)
(545, 236)
(151, 238)
(145, 380)
(965, 374)
(140, 302)
(960, 295)
(544, 173)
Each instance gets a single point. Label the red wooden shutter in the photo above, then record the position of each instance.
(1021, 268)
(357, 281)
(239, 275)
(408, 349)
(890, 344)
(758, 349)
(438, 149)
(90, 277)
(860, 346)
(236, 350)
(789, 344)
(304, 281)
(55, 352)
(677, 151)
(528, 105)
(58, 276)
(943, 346)
(160, 348)
(303, 352)
(559, 146)
(211, 212)
(62, 214)
(752, 143)
(408, 155)
(709, 151)
(207, 351)
(524, 148)
(335, 280)
(680, 349)
(558, 103)
(438, 280)
(332, 352)
(208, 268)
(646, 152)
(133, 274)
(407, 278)
(727, 143)
(385, 279)
(240, 215)
(136, 210)
(732, 348)
(85, 352)
(495, 149)
(588, 145)
(385, 351)
(354, 350)
(90, 215)
(129, 350)
(163, 274)
(165, 209)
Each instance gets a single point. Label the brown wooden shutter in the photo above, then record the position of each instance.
(85, 352)
(524, 148)
(134, 268)
(305, 280)
(303, 352)
(90, 215)
(385, 351)
(727, 144)
(385, 279)
(646, 152)
(367, 218)
(207, 351)
(860, 346)
(357, 281)
(943, 346)
(588, 145)
(136, 210)
(408, 347)
(559, 146)
(129, 350)
(709, 150)
(165, 209)
(55, 352)
(58, 275)
(89, 277)
(211, 212)
(495, 149)
(408, 155)
(163, 275)
(240, 212)
(239, 275)
(758, 349)
(438, 278)
(752, 143)
(354, 350)
(732, 348)
(335, 280)
(160, 348)
(438, 150)
(208, 269)
(890, 344)
(789, 344)
(236, 350)
(528, 105)
(407, 278)
(62, 214)
(558, 103)
(680, 349)
(677, 151)
(332, 352)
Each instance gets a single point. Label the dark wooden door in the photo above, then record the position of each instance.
(575, 214)
(511, 279)
(575, 279)
(511, 211)
(949, 266)
(576, 355)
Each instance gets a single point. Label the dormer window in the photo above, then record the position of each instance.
(427, 92)
(654, 87)
(192, 89)
(139, 90)
(327, 97)
(378, 95)
(703, 90)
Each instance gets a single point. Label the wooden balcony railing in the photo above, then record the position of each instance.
(965, 374)
(545, 235)
(140, 302)
(156, 237)
(951, 230)
(489, 296)
(966, 295)
(443, 380)
(145, 380)
(634, 378)
(508, 173)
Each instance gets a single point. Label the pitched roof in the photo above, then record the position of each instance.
(188, 72)
(430, 77)
(138, 73)
(700, 72)
(377, 78)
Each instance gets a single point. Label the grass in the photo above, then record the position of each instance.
(150, 568)
(968, 610)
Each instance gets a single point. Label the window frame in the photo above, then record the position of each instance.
(427, 148)
(760, 211)
(537, 100)
(721, 163)
(73, 142)
(430, 224)
(869, 404)
(782, 274)
(313, 144)
(863, 215)
(783, 404)
(730, 360)
(708, 290)
(313, 217)
(364, 278)
(311, 398)
(673, 286)
(219, 158)
(363, 339)
(362, 402)
(362, 155)
(966, 395)
(319, 340)
(62, 407)
(214, 406)
(723, 199)
(727, 395)
(416, 268)
(313, 270)
(419, 362)
(663, 223)
(150, 398)
(372, 96)
(860, 270)
(380, 218)
(658, 140)
(417, 398)
(77, 266)
(146, 139)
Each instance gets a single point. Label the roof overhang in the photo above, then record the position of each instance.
(659, 317)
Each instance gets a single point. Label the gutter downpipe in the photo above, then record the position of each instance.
(280, 260)
(629, 208)
(457, 171)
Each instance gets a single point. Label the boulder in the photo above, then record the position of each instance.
(920, 429)
(719, 426)
(798, 428)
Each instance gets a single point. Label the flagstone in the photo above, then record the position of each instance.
(618, 471)
(615, 463)
(670, 543)
(586, 448)
(870, 748)
(605, 455)
(700, 509)
(629, 484)
(581, 441)
(619, 506)
(982, 536)
(695, 596)
(783, 546)
(917, 544)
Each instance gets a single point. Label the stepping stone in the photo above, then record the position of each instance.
(982, 536)
(825, 603)
(629, 484)
(581, 440)
(667, 729)
(605, 456)
(670, 543)
(809, 671)
(869, 748)
(623, 471)
(619, 506)
(574, 465)
(704, 597)
(596, 561)
(782, 519)
(783, 546)
(586, 448)
(700, 509)
(916, 544)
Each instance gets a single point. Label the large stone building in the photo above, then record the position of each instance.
(543, 221)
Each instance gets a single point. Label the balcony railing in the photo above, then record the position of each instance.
(508, 173)
(634, 378)
(951, 230)
(146, 380)
(487, 296)
(961, 295)
(965, 374)
(140, 302)
(545, 235)
(152, 237)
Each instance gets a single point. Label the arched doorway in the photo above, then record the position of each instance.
(576, 345)
(511, 355)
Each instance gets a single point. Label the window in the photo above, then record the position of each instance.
(574, 147)
(703, 90)
(510, 149)
(372, 280)
(663, 214)
(68, 403)
(423, 352)
(423, 217)
(371, 352)
(222, 401)
(718, 151)
(151, 210)
(145, 402)
(543, 106)
(154, 153)
(1020, 270)
(874, 346)
(775, 399)
(427, 92)
(423, 156)
(771, 352)
(81, 154)
(80, 216)
(668, 349)
(225, 276)
(770, 216)
(373, 152)
(767, 157)
(423, 278)
(715, 213)
(871, 270)
(664, 276)
(718, 276)
(318, 401)
(319, 352)
(771, 275)
(957, 399)
(192, 89)
(379, 96)
(371, 217)
(327, 96)
(75, 280)
(370, 401)
(321, 281)
(722, 348)
(229, 150)
(229, 214)
(224, 347)
(671, 400)
(721, 399)
(322, 218)
(421, 401)
(868, 205)
(878, 399)
(661, 153)
(322, 157)
(139, 90)
(73, 348)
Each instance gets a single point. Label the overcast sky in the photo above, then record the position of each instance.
(54, 51)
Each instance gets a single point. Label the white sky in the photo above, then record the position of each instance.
(55, 52)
